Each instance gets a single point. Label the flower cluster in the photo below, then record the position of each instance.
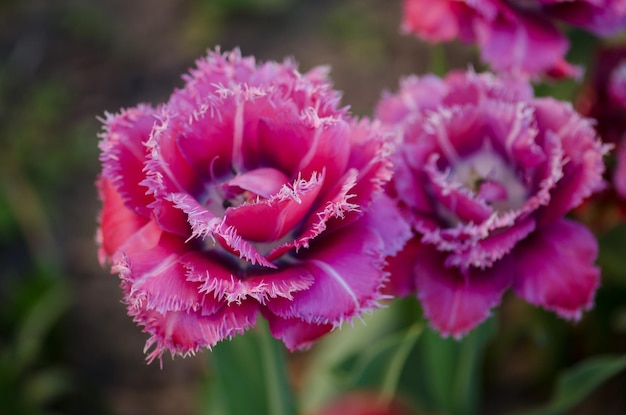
(485, 173)
(520, 36)
(249, 192)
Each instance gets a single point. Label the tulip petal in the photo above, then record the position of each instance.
(296, 334)
(204, 224)
(117, 222)
(217, 280)
(554, 268)
(582, 174)
(281, 213)
(401, 267)
(347, 267)
(185, 333)
(520, 41)
(455, 301)
(124, 154)
(157, 279)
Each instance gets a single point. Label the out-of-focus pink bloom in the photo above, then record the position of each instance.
(520, 36)
(604, 99)
(363, 403)
(250, 191)
(486, 172)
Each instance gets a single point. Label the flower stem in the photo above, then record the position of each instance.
(438, 63)
(275, 372)
(249, 376)
(396, 365)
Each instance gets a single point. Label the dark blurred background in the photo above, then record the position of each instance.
(66, 344)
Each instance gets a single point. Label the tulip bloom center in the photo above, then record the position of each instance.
(488, 176)
(236, 189)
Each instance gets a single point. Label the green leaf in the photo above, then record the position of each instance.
(37, 324)
(340, 360)
(250, 376)
(382, 362)
(436, 375)
(446, 373)
(578, 382)
(44, 386)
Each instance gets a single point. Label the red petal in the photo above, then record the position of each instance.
(117, 222)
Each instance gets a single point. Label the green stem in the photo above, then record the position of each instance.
(249, 376)
(396, 366)
(274, 369)
(464, 392)
(438, 63)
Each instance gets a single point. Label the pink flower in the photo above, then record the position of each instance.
(519, 36)
(486, 172)
(604, 99)
(248, 192)
(363, 402)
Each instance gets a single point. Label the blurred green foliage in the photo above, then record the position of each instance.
(46, 142)
(33, 379)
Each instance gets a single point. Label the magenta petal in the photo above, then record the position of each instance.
(370, 156)
(206, 144)
(337, 206)
(401, 268)
(347, 267)
(582, 173)
(454, 301)
(283, 140)
(484, 252)
(296, 334)
(156, 277)
(216, 141)
(281, 213)
(204, 224)
(216, 279)
(554, 268)
(264, 181)
(460, 202)
(181, 332)
(387, 220)
(170, 218)
(603, 18)
(330, 148)
(522, 42)
(124, 154)
(167, 171)
(416, 93)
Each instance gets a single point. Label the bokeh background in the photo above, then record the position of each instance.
(66, 344)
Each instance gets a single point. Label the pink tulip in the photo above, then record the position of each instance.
(518, 36)
(250, 191)
(485, 173)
